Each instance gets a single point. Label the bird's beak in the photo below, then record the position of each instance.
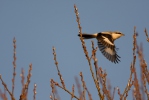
(123, 34)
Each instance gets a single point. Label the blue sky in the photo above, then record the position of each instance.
(40, 25)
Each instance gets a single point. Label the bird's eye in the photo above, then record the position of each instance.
(119, 33)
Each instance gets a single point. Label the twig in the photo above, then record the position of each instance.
(56, 84)
(136, 83)
(25, 89)
(103, 80)
(72, 96)
(3, 95)
(79, 88)
(59, 74)
(5, 86)
(14, 65)
(53, 96)
(144, 71)
(146, 35)
(113, 93)
(95, 60)
(119, 93)
(34, 90)
(22, 79)
(129, 84)
(85, 88)
(86, 52)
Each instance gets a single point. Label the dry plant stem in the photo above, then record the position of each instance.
(23, 95)
(22, 78)
(143, 64)
(130, 82)
(5, 86)
(3, 95)
(144, 71)
(136, 83)
(113, 93)
(146, 35)
(85, 51)
(28, 78)
(95, 60)
(93, 56)
(57, 95)
(56, 63)
(134, 48)
(14, 65)
(51, 97)
(53, 90)
(103, 79)
(55, 83)
(79, 88)
(109, 88)
(34, 90)
(129, 85)
(60, 76)
(85, 88)
(72, 96)
(119, 93)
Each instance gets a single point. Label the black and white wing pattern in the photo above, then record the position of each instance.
(107, 47)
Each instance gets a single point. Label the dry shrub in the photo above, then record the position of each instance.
(103, 86)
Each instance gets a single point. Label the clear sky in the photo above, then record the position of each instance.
(41, 24)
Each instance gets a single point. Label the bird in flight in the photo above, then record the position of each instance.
(106, 43)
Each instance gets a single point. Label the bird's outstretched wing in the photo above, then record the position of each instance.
(107, 47)
(109, 52)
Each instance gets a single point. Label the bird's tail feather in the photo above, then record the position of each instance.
(88, 36)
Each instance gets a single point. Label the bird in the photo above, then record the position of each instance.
(106, 44)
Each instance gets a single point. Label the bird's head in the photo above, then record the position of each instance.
(117, 34)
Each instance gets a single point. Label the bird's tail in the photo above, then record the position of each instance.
(88, 36)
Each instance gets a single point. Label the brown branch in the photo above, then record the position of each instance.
(95, 60)
(14, 65)
(25, 89)
(102, 76)
(113, 93)
(86, 52)
(144, 71)
(146, 35)
(119, 93)
(61, 79)
(72, 96)
(22, 79)
(136, 83)
(79, 88)
(59, 74)
(129, 85)
(34, 91)
(5, 86)
(53, 97)
(56, 84)
(85, 88)
(3, 95)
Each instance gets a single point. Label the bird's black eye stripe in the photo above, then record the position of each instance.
(119, 33)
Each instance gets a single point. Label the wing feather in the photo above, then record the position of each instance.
(109, 52)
